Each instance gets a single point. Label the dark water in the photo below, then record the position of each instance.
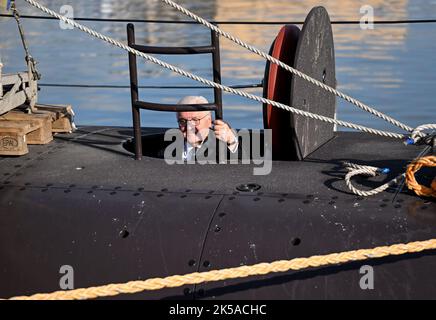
(391, 67)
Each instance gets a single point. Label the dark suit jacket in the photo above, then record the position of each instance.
(210, 152)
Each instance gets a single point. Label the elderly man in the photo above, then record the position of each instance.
(196, 127)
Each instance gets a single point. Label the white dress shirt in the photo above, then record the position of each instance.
(189, 150)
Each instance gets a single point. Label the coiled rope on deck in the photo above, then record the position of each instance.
(213, 84)
(132, 287)
(356, 170)
(412, 184)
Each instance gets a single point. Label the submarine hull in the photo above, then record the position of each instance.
(83, 201)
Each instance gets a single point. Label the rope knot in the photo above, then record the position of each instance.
(419, 137)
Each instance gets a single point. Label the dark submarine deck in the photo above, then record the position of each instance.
(83, 201)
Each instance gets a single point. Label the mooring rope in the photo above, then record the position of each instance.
(213, 84)
(287, 67)
(132, 287)
(31, 62)
(417, 135)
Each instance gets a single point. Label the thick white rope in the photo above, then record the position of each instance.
(417, 133)
(356, 170)
(350, 165)
(213, 84)
(287, 67)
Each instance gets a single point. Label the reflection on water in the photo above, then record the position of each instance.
(390, 67)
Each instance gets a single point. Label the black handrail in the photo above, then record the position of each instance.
(173, 50)
(213, 48)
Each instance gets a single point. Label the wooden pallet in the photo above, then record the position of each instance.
(62, 116)
(13, 137)
(19, 129)
(43, 123)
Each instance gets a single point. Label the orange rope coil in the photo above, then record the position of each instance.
(412, 184)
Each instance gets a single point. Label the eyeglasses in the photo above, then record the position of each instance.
(196, 121)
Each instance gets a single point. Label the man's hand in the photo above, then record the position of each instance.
(223, 132)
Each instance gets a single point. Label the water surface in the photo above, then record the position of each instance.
(391, 67)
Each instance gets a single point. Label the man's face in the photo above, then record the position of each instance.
(195, 126)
